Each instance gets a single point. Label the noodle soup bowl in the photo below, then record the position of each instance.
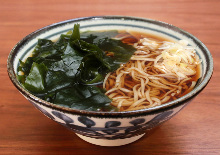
(110, 128)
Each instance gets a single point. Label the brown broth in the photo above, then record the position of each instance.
(132, 37)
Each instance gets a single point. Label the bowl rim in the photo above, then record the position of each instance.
(163, 107)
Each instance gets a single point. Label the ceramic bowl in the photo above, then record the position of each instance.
(110, 128)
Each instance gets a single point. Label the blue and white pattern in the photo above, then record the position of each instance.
(111, 128)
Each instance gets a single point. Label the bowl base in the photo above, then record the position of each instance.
(105, 142)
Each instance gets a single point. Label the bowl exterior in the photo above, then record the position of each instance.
(109, 128)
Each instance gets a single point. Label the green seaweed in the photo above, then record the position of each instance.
(67, 72)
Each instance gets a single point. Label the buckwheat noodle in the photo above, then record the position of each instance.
(144, 82)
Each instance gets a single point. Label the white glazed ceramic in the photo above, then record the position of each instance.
(110, 128)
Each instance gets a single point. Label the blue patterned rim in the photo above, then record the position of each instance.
(207, 63)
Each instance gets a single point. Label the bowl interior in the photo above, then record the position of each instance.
(24, 48)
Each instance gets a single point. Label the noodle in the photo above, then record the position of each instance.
(144, 83)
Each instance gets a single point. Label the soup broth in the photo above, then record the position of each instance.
(141, 84)
(109, 70)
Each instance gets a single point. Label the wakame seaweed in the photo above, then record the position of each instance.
(67, 72)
